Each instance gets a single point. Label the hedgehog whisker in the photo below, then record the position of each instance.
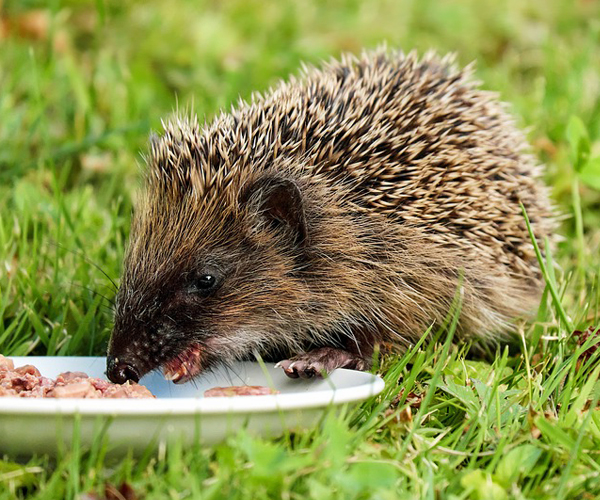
(86, 259)
(95, 292)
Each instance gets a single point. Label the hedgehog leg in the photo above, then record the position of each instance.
(322, 360)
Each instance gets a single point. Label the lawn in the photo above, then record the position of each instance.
(83, 83)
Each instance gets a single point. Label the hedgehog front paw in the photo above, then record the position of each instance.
(321, 361)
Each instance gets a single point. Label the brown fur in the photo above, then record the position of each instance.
(406, 175)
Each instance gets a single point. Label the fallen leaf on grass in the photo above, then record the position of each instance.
(34, 24)
(535, 432)
(405, 414)
(96, 163)
(413, 399)
(546, 145)
(111, 492)
(582, 338)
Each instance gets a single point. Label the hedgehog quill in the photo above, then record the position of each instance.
(336, 212)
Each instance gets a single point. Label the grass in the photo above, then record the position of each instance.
(81, 85)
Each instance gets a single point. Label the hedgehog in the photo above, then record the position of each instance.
(337, 213)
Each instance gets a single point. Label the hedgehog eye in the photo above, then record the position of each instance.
(204, 284)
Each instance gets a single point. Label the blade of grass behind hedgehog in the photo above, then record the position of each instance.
(547, 273)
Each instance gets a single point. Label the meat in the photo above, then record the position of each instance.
(6, 364)
(27, 382)
(239, 390)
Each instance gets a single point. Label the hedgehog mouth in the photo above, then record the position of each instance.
(185, 366)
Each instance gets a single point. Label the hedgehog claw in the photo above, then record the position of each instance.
(288, 368)
(319, 362)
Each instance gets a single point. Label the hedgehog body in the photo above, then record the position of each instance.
(338, 211)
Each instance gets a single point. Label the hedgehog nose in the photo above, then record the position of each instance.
(119, 371)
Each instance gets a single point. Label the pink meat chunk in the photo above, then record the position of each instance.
(239, 390)
(128, 390)
(6, 364)
(27, 382)
(69, 376)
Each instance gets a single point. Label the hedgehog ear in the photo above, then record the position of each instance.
(279, 201)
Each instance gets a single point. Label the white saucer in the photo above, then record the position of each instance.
(30, 426)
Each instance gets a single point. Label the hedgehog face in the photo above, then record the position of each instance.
(190, 300)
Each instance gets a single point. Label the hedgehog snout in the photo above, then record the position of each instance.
(120, 371)
(128, 358)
